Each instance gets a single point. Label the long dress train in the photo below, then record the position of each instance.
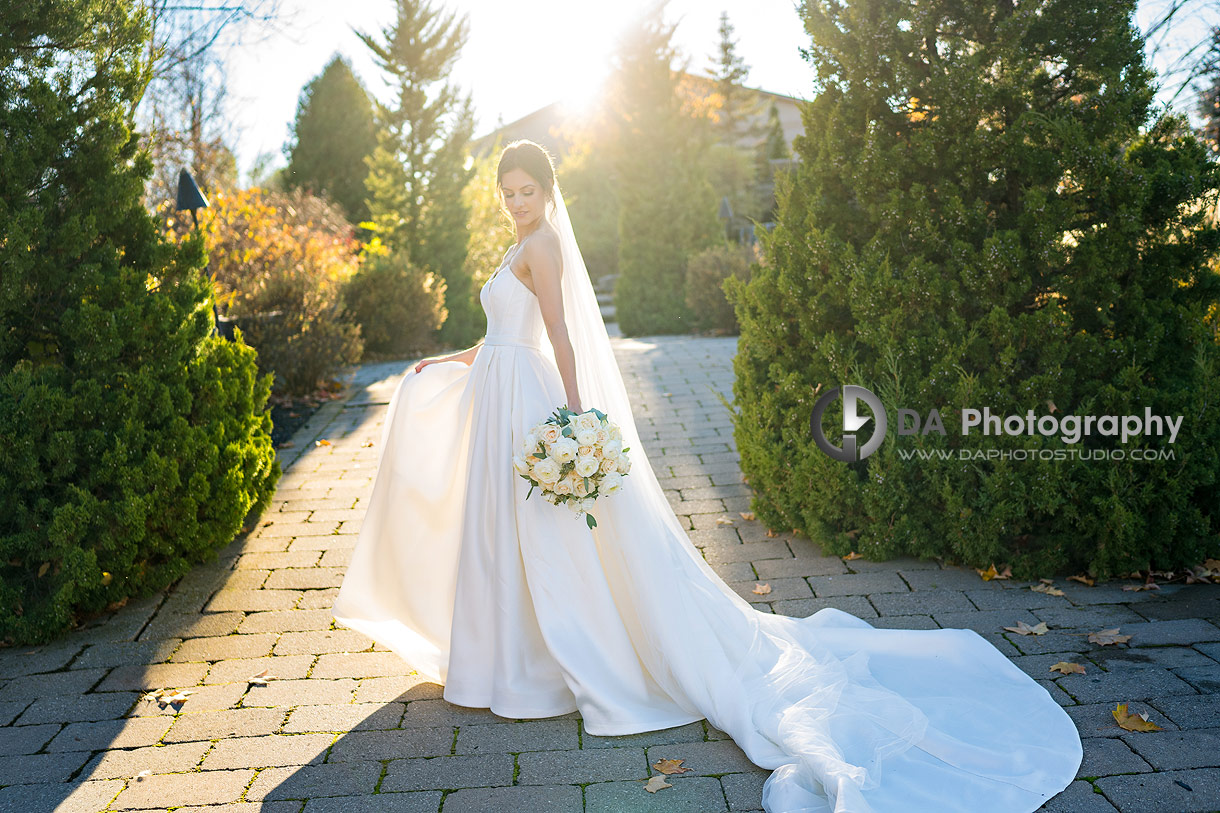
(517, 606)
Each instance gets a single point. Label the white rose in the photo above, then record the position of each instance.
(624, 464)
(585, 451)
(587, 466)
(578, 486)
(521, 465)
(586, 437)
(603, 434)
(546, 470)
(612, 449)
(608, 465)
(550, 433)
(564, 450)
(598, 453)
(587, 503)
(531, 442)
(616, 432)
(611, 483)
(563, 487)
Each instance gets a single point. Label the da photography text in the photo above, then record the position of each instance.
(1069, 428)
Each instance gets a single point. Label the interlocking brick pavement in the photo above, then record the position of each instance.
(343, 726)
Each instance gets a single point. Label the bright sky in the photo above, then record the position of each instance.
(522, 56)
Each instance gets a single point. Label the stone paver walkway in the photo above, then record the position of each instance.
(336, 725)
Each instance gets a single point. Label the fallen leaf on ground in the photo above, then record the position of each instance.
(1068, 668)
(668, 766)
(1147, 586)
(724, 520)
(1042, 587)
(1109, 636)
(761, 588)
(1213, 565)
(167, 697)
(288, 444)
(1024, 629)
(771, 533)
(656, 783)
(746, 514)
(852, 555)
(366, 444)
(323, 442)
(1082, 579)
(1133, 722)
(261, 678)
(991, 573)
(140, 776)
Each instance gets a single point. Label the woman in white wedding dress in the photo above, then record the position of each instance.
(518, 606)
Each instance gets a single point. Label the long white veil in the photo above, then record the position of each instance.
(828, 702)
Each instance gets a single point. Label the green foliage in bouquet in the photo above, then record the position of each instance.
(985, 215)
(134, 442)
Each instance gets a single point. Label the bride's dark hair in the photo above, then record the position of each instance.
(531, 158)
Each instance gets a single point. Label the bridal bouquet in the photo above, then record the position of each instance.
(574, 458)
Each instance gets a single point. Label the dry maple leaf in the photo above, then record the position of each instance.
(1043, 587)
(724, 520)
(1109, 636)
(670, 766)
(323, 442)
(1082, 579)
(1133, 722)
(761, 588)
(771, 533)
(1213, 565)
(656, 783)
(366, 444)
(1068, 668)
(1024, 629)
(852, 555)
(747, 515)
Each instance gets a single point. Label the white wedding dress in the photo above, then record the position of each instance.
(517, 606)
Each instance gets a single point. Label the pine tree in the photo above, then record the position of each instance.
(333, 134)
(738, 106)
(667, 208)
(984, 215)
(1209, 99)
(135, 442)
(418, 170)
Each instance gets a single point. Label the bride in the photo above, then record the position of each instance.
(519, 607)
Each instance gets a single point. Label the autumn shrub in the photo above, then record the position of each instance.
(399, 307)
(279, 262)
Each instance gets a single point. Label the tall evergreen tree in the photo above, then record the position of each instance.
(1209, 99)
(134, 442)
(985, 216)
(738, 106)
(667, 207)
(333, 134)
(418, 170)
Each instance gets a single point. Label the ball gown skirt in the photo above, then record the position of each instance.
(517, 606)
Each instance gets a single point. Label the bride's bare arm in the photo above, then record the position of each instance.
(465, 356)
(544, 260)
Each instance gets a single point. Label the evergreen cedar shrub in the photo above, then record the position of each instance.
(279, 263)
(705, 276)
(970, 228)
(399, 307)
(134, 442)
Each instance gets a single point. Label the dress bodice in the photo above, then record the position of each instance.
(513, 316)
